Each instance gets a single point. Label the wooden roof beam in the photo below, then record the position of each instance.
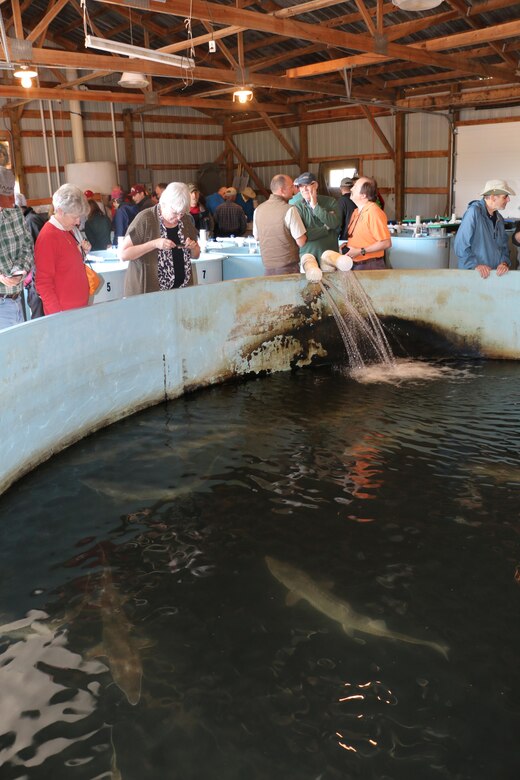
(280, 136)
(17, 19)
(39, 93)
(463, 99)
(215, 13)
(498, 32)
(62, 59)
(43, 25)
(304, 8)
(366, 17)
(377, 130)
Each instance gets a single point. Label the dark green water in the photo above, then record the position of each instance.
(171, 540)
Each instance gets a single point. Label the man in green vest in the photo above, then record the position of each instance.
(320, 214)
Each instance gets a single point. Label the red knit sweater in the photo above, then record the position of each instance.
(61, 280)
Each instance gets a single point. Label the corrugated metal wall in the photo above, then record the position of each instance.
(164, 157)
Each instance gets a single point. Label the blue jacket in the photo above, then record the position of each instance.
(213, 200)
(478, 242)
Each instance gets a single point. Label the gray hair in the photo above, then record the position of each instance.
(70, 200)
(176, 197)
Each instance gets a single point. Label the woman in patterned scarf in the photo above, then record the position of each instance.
(160, 244)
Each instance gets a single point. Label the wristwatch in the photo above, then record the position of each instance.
(363, 251)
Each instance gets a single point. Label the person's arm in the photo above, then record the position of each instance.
(330, 217)
(23, 250)
(127, 250)
(376, 246)
(191, 236)
(516, 235)
(45, 263)
(295, 225)
(462, 242)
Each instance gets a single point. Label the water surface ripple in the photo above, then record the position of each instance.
(311, 575)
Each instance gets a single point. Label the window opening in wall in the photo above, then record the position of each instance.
(337, 174)
(331, 173)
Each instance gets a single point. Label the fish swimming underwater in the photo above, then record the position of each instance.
(301, 586)
(118, 647)
(126, 491)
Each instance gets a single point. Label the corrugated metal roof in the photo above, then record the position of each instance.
(142, 28)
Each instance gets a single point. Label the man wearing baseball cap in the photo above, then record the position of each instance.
(140, 197)
(320, 215)
(346, 206)
(481, 241)
(230, 219)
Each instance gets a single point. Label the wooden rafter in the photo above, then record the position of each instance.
(201, 9)
(377, 130)
(280, 136)
(43, 24)
(240, 157)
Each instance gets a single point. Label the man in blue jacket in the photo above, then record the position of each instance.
(481, 240)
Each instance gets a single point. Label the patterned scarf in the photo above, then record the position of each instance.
(165, 267)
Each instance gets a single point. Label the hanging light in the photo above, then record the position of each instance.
(133, 80)
(416, 5)
(26, 75)
(242, 95)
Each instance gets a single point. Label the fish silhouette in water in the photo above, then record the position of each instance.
(301, 586)
(502, 473)
(118, 647)
(125, 491)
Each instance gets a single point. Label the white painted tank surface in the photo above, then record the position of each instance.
(206, 270)
(421, 252)
(99, 364)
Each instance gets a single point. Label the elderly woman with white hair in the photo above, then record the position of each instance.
(61, 279)
(160, 244)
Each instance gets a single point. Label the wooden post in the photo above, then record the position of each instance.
(400, 138)
(16, 151)
(304, 144)
(128, 129)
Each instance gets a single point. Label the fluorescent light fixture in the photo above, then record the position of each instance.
(416, 5)
(126, 50)
(243, 95)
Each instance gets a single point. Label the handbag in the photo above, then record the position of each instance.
(94, 280)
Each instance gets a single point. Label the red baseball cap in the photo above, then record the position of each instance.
(137, 188)
(88, 194)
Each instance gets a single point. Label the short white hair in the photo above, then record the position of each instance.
(70, 200)
(176, 197)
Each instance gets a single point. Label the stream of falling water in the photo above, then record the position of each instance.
(362, 333)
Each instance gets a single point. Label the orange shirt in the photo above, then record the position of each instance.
(366, 227)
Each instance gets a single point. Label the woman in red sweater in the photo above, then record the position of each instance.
(61, 280)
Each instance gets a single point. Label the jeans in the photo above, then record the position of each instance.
(10, 312)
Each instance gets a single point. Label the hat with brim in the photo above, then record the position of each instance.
(305, 178)
(497, 187)
(248, 192)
